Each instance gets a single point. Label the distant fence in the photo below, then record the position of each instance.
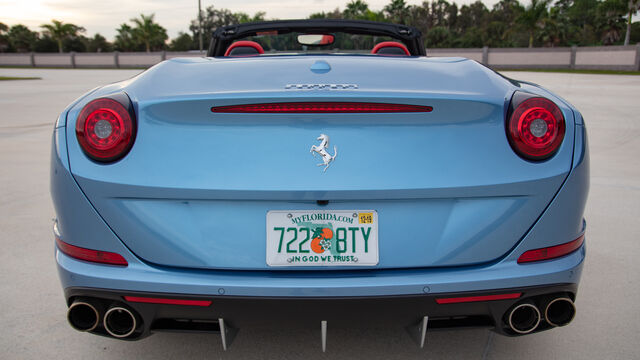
(596, 57)
(588, 58)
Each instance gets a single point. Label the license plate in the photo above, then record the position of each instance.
(322, 238)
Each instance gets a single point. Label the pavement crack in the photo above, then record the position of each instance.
(487, 346)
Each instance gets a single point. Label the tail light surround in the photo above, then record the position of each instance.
(535, 126)
(106, 128)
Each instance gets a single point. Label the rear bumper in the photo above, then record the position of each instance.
(350, 298)
(353, 312)
(147, 278)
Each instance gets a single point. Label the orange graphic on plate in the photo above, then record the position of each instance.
(320, 235)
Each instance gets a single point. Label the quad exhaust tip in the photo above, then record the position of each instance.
(560, 311)
(524, 318)
(83, 316)
(119, 322)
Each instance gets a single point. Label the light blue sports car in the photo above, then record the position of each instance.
(320, 173)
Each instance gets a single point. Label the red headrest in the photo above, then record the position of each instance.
(390, 48)
(244, 44)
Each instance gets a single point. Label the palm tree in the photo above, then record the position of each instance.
(398, 11)
(60, 31)
(634, 5)
(532, 16)
(149, 32)
(356, 9)
(124, 39)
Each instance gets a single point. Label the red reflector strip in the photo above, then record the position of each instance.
(167, 301)
(320, 107)
(478, 298)
(97, 256)
(551, 252)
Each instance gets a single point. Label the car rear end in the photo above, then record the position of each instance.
(203, 193)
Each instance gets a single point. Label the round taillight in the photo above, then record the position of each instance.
(105, 130)
(536, 128)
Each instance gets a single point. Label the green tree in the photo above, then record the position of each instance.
(214, 18)
(420, 18)
(635, 32)
(397, 11)
(99, 44)
(504, 29)
(472, 20)
(335, 14)
(555, 29)
(183, 42)
(4, 38)
(148, 32)
(76, 44)
(610, 21)
(582, 15)
(21, 38)
(245, 18)
(60, 31)
(531, 18)
(634, 6)
(125, 40)
(45, 43)
(441, 14)
(438, 37)
(356, 9)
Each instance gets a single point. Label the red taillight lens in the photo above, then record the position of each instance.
(551, 252)
(167, 301)
(535, 127)
(96, 256)
(466, 299)
(105, 130)
(321, 107)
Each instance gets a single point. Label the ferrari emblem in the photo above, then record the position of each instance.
(322, 151)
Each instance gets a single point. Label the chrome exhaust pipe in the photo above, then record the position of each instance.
(82, 315)
(560, 311)
(524, 318)
(119, 322)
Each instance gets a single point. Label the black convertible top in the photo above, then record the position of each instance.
(224, 36)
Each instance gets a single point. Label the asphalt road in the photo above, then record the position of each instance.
(32, 309)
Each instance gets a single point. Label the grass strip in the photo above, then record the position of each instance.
(19, 78)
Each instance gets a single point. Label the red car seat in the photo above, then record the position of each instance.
(390, 48)
(244, 48)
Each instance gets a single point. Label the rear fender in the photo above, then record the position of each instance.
(75, 213)
(563, 220)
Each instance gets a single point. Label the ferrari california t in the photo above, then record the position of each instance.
(320, 173)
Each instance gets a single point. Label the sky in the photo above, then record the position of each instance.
(104, 16)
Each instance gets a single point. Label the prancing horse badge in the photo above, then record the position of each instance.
(322, 151)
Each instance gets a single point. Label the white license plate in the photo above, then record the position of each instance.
(322, 238)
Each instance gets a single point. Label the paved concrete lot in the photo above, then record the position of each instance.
(32, 309)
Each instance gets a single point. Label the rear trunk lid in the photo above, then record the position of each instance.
(196, 187)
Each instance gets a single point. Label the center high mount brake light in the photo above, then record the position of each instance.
(320, 107)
